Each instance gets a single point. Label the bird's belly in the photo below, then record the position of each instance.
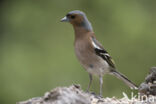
(99, 68)
(92, 63)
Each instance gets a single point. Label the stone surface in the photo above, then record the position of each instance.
(74, 95)
(148, 87)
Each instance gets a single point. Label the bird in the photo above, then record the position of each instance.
(90, 52)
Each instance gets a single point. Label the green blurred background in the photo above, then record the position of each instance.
(36, 49)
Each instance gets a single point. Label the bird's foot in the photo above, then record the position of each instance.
(92, 93)
(99, 96)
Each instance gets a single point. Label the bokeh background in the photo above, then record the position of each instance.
(36, 49)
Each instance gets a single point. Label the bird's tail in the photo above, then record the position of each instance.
(125, 79)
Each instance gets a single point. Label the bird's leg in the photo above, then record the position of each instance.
(90, 82)
(101, 83)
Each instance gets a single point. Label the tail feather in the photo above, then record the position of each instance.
(125, 79)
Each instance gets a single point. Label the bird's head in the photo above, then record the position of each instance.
(78, 19)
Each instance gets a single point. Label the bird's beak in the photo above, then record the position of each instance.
(65, 19)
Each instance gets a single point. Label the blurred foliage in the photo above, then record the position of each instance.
(37, 51)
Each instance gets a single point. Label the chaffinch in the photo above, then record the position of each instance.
(91, 54)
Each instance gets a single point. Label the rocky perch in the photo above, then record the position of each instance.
(74, 95)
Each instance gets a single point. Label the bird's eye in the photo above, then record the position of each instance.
(72, 17)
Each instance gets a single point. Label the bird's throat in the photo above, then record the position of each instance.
(80, 31)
